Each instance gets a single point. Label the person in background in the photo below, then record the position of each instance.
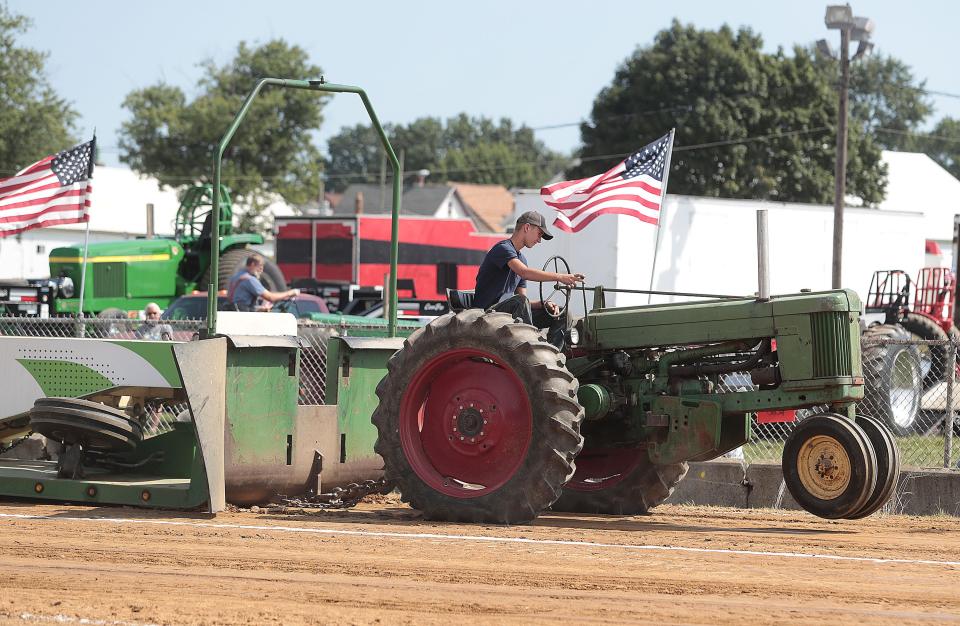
(152, 328)
(247, 293)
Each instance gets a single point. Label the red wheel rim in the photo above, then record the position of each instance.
(603, 468)
(465, 423)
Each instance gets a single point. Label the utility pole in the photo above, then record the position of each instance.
(840, 189)
(840, 17)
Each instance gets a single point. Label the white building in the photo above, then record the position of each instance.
(918, 183)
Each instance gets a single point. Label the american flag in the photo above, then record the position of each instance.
(54, 190)
(634, 187)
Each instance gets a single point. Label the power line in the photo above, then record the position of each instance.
(896, 131)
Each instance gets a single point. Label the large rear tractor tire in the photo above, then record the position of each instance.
(933, 358)
(235, 258)
(618, 481)
(478, 420)
(892, 376)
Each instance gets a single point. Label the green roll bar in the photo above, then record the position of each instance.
(313, 85)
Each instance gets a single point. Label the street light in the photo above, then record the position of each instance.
(840, 17)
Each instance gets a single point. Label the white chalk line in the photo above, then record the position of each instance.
(481, 538)
(66, 619)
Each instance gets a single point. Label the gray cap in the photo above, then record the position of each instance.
(532, 217)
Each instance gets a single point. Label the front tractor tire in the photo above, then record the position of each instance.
(830, 467)
(478, 420)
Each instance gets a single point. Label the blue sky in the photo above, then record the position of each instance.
(538, 63)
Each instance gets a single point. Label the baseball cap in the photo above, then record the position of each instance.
(532, 217)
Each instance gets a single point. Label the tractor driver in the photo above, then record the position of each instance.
(247, 293)
(503, 275)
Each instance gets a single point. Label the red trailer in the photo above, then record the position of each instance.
(434, 253)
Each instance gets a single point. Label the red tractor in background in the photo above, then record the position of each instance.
(897, 374)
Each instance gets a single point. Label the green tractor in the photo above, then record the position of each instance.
(480, 419)
(124, 276)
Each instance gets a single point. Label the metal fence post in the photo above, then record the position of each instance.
(948, 422)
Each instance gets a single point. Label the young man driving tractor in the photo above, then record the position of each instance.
(503, 275)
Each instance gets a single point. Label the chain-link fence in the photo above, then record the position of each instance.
(907, 383)
(911, 385)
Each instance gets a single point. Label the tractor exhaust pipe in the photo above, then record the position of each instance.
(150, 230)
(763, 257)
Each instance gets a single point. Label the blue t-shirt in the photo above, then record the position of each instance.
(495, 278)
(245, 289)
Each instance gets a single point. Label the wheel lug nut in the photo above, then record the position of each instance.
(481, 433)
(472, 440)
(484, 421)
(461, 437)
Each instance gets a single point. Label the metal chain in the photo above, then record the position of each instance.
(339, 498)
(5, 449)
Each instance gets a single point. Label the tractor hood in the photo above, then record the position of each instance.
(120, 272)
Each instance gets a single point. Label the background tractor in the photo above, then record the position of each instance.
(897, 374)
(123, 276)
(481, 420)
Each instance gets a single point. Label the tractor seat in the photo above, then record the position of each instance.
(459, 299)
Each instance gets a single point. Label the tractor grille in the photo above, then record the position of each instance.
(831, 344)
(109, 280)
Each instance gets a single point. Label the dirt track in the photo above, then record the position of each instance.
(379, 563)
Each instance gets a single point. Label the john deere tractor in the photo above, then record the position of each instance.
(125, 275)
(482, 420)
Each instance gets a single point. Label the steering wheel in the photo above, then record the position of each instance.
(562, 292)
(282, 306)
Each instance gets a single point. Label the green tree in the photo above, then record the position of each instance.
(943, 144)
(886, 100)
(272, 152)
(748, 124)
(463, 149)
(34, 120)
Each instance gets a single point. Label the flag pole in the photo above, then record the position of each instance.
(86, 236)
(663, 204)
(83, 269)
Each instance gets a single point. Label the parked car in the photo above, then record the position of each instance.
(194, 306)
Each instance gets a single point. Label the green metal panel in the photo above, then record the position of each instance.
(360, 373)
(261, 404)
(353, 374)
(693, 430)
